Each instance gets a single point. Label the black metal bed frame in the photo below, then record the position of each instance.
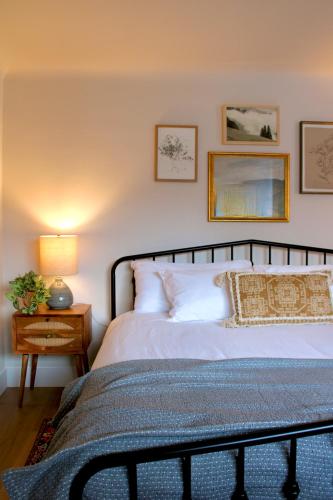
(231, 245)
(239, 442)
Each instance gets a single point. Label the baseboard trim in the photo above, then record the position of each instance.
(3, 381)
(46, 376)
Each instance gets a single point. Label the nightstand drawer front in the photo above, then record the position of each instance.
(52, 343)
(48, 323)
(49, 341)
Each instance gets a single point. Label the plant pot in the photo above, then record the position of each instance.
(25, 301)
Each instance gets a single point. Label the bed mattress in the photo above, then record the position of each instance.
(155, 336)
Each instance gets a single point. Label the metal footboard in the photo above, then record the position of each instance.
(185, 451)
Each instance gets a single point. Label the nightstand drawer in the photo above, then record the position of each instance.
(51, 342)
(40, 323)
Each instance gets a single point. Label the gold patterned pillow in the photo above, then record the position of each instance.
(270, 299)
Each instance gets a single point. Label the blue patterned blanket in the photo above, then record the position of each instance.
(146, 403)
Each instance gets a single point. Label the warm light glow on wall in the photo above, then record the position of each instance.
(64, 217)
(69, 223)
(66, 203)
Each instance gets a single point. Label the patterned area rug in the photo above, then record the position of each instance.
(42, 441)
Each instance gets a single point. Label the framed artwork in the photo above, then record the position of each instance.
(248, 187)
(176, 153)
(251, 125)
(316, 170)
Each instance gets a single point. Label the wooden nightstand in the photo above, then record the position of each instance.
(52, 331)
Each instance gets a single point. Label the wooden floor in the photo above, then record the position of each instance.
(19, 426)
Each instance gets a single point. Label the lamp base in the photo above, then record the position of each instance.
(61, 295)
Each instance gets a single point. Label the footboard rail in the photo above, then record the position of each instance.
(185, 451)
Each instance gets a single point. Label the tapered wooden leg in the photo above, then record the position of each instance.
(33, 370)
(85, 363)
(25, 358)
(78, 362)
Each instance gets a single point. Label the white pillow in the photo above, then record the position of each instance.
(271, 268)
(194, 296)
(150, 295)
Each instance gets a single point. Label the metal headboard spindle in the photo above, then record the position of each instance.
(251, 244)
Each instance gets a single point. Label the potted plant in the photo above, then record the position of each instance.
(27, 292)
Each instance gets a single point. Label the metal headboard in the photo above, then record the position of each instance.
(250, 245)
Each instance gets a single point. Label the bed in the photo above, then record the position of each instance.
(183, 406)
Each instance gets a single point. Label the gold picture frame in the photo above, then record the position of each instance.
(252, 187)
(251, 125)
(176, 153)
(316, 158)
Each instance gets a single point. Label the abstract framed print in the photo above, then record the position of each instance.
(248, 187)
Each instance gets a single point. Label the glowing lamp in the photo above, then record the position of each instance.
(58, 257)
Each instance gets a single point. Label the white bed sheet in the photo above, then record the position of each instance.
(154, 336)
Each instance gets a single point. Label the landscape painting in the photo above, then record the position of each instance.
(254, 125)
(248, 187)
(316, 157)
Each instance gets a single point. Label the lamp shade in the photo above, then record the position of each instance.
(58, 255)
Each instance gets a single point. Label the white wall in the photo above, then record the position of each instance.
(79, 148)
(3, 381)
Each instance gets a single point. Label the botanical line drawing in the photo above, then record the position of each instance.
(324, 158)
(174, 149)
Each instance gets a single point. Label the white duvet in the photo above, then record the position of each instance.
(154, 336)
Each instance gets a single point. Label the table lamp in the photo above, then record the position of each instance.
(58, 257)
